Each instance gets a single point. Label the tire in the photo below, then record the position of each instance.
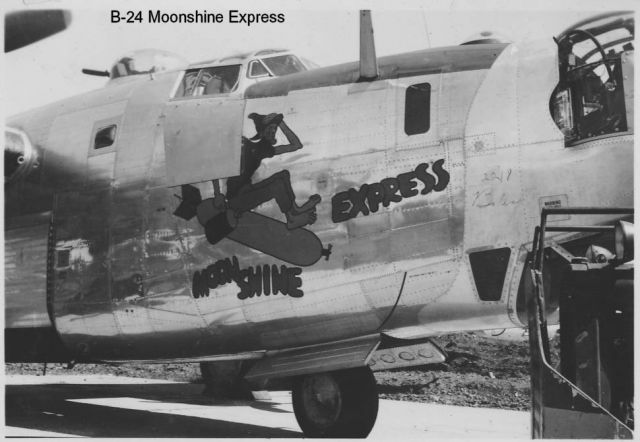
(340, 404)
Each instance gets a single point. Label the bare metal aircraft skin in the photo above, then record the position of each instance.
(146, 221)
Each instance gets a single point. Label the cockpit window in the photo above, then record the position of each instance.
(218, 80)
(188, 83)
(257, 69)
(283, 64)
(209, 81)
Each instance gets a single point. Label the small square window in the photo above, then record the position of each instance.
(105, 137)
(417, 109)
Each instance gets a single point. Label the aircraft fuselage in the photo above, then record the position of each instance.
(430, 180)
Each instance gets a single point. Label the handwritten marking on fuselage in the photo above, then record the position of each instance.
(487, 198)
(495, 194)
(497, 174)
(367, 199)
(252, 281)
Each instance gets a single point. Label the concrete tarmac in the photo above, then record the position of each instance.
(109, 406)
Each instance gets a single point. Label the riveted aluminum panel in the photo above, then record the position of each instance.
(202, 139)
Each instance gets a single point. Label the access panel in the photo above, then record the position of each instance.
(203, 139)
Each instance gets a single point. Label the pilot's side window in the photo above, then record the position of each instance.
(188, 83)
(417, 109)
(209, 81)
(218, 80)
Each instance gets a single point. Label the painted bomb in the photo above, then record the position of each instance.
(368, 198)
(252, 281)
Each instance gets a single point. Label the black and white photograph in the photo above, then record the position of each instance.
(298, 219)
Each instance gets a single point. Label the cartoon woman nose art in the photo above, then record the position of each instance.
(232, 216)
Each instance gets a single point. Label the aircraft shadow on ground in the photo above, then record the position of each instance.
(49, 408)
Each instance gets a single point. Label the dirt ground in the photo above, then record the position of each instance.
(480, 371)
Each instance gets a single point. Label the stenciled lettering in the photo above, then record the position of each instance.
(368, 198)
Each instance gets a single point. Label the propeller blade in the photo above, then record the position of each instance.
(22, 28)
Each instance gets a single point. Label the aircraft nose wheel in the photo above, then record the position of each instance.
(337, 404)
(321, 399)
